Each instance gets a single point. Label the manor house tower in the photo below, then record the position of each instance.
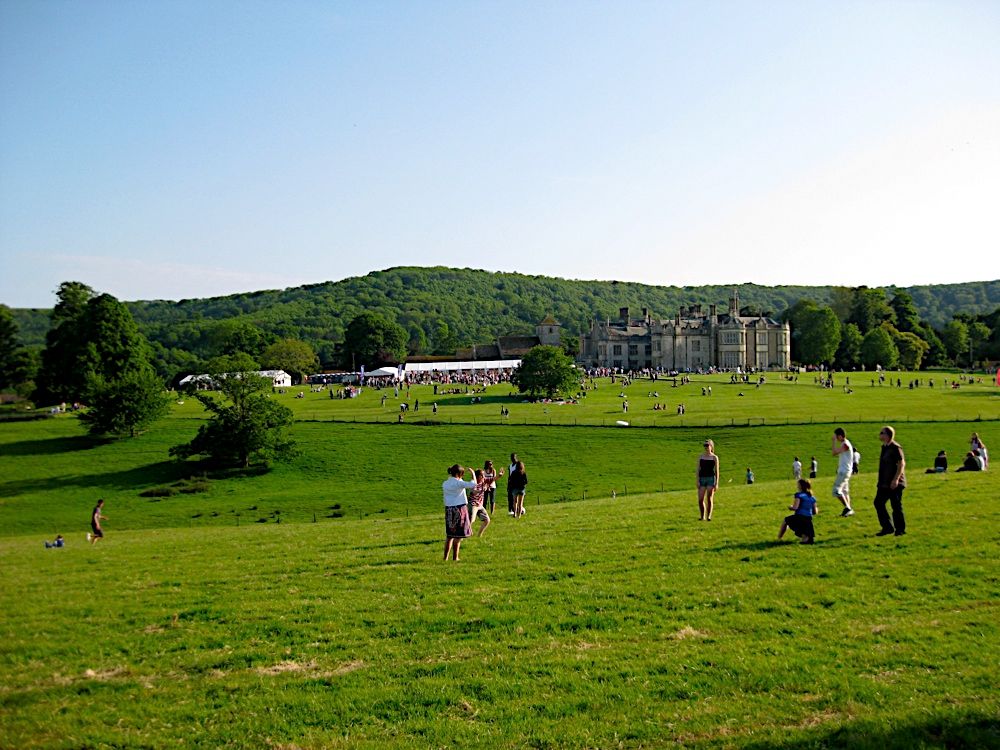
(692, 340)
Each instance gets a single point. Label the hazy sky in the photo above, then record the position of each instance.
(186, 149)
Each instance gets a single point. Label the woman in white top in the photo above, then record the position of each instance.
(979, 449)
(457, 525)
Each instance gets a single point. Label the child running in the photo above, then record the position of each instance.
(476, 496)
(801, 521)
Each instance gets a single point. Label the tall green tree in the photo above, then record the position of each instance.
(16, 362)
(911, 348)
(937, 354)
(546, 371)
(979, 334)
(956, 339)
(819, 336)
(61, 376)
(293, 356)
(245, 425)
(878, 348)
(796, 316)
(849, 351)
(126, 404)
(113, 346)
(371, 340)
(870, 309)
(907, 317)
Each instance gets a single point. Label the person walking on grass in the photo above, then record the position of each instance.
(456, 510)
(477, 510)
(800, 522)
(813, 467)
(96, 516)
(891, 483)
(843, 451)
(518, 482)
(796, 469)
(708, 480)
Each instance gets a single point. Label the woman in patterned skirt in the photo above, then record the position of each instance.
(456, 511)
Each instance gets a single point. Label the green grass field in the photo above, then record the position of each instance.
(591, 622)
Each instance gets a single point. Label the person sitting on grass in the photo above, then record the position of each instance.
(940, 464)
(57, 542)
(971, 463)
(800, 522)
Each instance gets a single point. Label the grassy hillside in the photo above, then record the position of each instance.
(591, 622)
(348, 469)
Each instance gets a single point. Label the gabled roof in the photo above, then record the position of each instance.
(548, 320)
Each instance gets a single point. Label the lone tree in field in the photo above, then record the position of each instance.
(250, 427)
(371, 340)
(124, 405)
(546, 371)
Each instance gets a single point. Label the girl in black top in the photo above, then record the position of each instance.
(516, 483)
(708, 480)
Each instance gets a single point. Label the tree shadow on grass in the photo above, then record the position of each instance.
(139, 478)
(51, 446)
(964, 730)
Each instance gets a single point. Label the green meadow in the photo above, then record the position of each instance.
(307, 606)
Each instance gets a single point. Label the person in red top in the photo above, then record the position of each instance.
(476, 497)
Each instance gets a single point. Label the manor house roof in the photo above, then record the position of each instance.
(514, 345)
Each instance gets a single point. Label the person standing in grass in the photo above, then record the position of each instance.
(476, 498)
(708, 480)
(510, 493)
(813, 467)
(796, 469)
(891, 483)
(843, 451)
(517, 483)
(800, 522)
(490, 475)
(96, 516)
(457, 525)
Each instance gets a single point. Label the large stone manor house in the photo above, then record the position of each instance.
(692, 340)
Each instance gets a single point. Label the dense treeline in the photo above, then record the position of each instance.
(442, 308)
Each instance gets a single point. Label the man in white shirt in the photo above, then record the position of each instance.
(796, 469)
(843, 451)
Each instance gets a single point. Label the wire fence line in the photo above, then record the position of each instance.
(648, 423)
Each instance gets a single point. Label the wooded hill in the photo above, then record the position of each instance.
(442, 308)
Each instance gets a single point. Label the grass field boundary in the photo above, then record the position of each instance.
(639, 424)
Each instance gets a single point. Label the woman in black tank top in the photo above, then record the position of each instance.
(708, 480)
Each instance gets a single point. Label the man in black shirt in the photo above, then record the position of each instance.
(891, 483)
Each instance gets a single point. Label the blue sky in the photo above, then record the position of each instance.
(165, 150)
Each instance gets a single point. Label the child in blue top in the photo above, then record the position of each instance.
(801, 521)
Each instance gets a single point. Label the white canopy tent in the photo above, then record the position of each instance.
(469, 365)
